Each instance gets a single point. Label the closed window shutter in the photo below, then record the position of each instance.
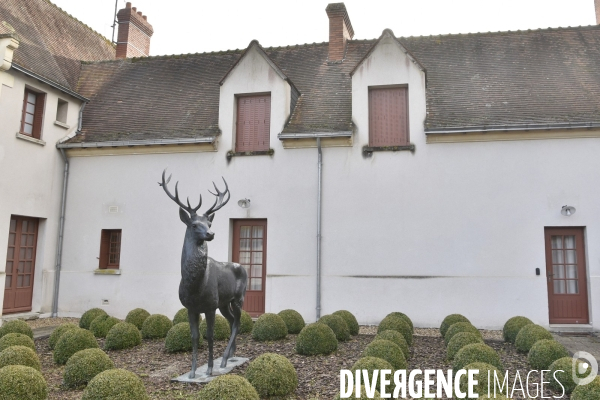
(38, 115)
(253, 123)
(104, 248)
(388, 117)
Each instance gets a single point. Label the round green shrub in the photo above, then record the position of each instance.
(371, 364)
(404, 317)
(388, 351)
(272, 375)
(72, 341)
(396, 323)
(179, 338)
(89, 316)
(269, 327)
(396, 338)
(363, 394)
(23, 383)
(137, 316)
(115, 384)
(512, 328)
(591, 391)
(16, 326)
(528, 335)
(451, 320)
(563, 368)
(246, 323)
(338, 325)
(222, 330)
(122, 336)
(482, 380)
(476, 352)
(58, 332)
(315, 339)
(293, 320)
(460, 340)
(460, 327)
(102, 324)
(16, 339)
(156, 326)
(85, 365)
(350, 321)
(182, 316)
(544, 352)
(20, 355)
(226, 387)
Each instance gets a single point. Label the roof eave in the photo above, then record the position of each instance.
(49, 82)
(513, 127)
(131, 143)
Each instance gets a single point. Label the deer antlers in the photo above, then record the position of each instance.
(192, 210)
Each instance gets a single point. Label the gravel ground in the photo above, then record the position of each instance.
(40, 322)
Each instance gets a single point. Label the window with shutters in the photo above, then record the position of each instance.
(33, 113)
(388, 116)
(110, 248)
(253, 123)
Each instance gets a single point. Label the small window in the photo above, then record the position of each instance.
(33, 113)
(388, 117)
(61, 111)
(253, 123)
(110, 248)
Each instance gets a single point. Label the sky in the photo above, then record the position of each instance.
(196, 26)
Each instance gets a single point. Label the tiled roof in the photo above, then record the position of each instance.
(51, 42)
(506, 78)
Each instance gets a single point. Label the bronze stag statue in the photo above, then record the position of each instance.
(207, 284)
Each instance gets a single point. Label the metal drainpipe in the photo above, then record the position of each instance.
(320, 183)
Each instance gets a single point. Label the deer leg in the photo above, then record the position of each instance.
(194, 320)
(229, 316)
(236, 309)
(210, 331)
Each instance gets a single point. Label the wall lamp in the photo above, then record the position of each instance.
(244, 203)
(567, 210)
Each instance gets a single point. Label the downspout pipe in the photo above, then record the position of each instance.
(319, 192)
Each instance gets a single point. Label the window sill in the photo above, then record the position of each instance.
(367, 150)
(61, 124)
(30, 139)
(107, 271)
(231, 154)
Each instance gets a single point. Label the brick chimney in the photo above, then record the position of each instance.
(597, 3)
(340, 30)
(133, 38)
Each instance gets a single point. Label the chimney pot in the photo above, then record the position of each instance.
(597, 4)
(139, 13)
(134, 9)
(340, 30)
(145, 17)
(128, 5)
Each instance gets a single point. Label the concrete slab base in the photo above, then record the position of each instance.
(202, 377)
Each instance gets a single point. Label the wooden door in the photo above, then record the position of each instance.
(250, 250)
(20, 264)
(566, 275)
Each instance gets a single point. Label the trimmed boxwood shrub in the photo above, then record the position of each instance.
(591, 391)
(115, 384)
(544, 352)
(388, 351)
(226, 387)
(16, 339)
(293, 320)
(84, 365)
(482, 379)
(404, 317)
(460, 340)
(396, 338)
(269, 327)
(16, 326)
(182, 316)
(565, 376)
(476, 352)
(102, 324)
(350, 321)
(137, 316)
(396, 323)
(123, 335)
(89, 316)
(246, 323)
(371, 364)
(222, 329)
(58, 332)
(338, 325)
(20, 355)
(451, 320)
(460, 327)
(528, 335)
(363, 394)
(179, 338)
(512, 328)
(272, 375)
(21, 382)
(156, 326)
(72, 341)
(315, 339)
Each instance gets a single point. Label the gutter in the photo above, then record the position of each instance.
(49, 82)
(515, 127)
(312, 135)
(319, 191)
(131, 143)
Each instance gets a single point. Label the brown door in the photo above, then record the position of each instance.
(20, 264)
(250, 250)
(566, 276)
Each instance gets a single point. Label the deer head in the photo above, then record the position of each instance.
(197, 225)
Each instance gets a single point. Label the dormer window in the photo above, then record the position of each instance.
(388, 116)
(253, 123)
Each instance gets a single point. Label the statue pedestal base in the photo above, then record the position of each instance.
(202, 377)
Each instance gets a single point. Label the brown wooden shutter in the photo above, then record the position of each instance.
(388, 117)
(38, 116)
(104, 248)
(253, 123)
